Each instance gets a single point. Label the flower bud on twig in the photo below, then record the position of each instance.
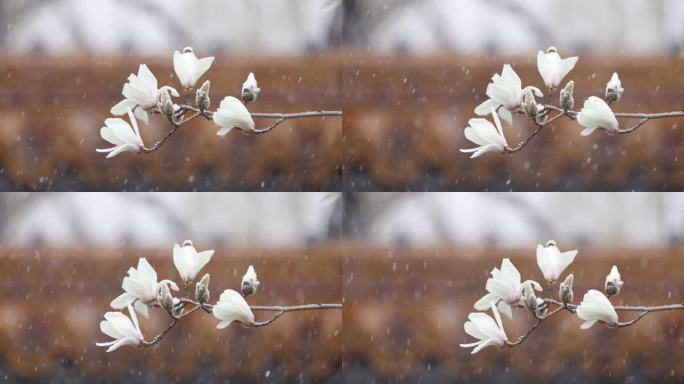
(250, 89)
(529, 299)
(249, 282)
(164, 298)
(202, 290)
(165, 104)
(567, 101)
(529, 104)
(202, 98)
(614, 89)
(613, 282)
(565, 291)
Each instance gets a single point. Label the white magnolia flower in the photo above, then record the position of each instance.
(552, 262)
(232, 307)
(141, 94)
(614, 282)
(596, 114)
(250, 89)
(141, 288)
(122, 135)
(249, 282)
(505, 91)
(189, 68)
(188, 261)
(233, 114)
(596, 307)
(614, 88)
(504, 289)
(119, 327)
(481, 326)
(552, 68)
(490, 138)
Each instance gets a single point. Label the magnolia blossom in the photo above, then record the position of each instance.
(119, 327)
(504, 289)
(614, 88)
(552, 262)
(189, 68)
(481, 326)
(505, 91)
(188, 261)
(141, 91)
(141, 288)
(614, 282)
(552, 68)
(232, 307)
(233, 114)
(596, 307)
(250, 89)
(249, 283)
(490, 138)
(124, 137)
(596, 114)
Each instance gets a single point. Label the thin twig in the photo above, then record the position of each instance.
(278, 117)
(572, 308)
(572, 115)
(208, 308)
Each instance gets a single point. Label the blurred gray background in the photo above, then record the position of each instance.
(638, 27)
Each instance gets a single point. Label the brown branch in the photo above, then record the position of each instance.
(572, 308)
(208, 308)
(572, 115)
(278, 117)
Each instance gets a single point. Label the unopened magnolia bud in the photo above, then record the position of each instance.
(542, 307)
(529, 298)
(250, 89)
(613, 282)
(178, 308)
(164, 297)
(202, 97)
(567, 101)
(529, 104)
(249, 282)
(565, 290)
(614, 89)
(165, 104)
(202, 290)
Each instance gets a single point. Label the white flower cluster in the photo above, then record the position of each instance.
(142, 95)
(505, 290)
(141, 289)
(506, 96)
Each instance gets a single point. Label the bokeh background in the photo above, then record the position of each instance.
(64, 256)
(63, 64)
(415, 263)
(416, 70)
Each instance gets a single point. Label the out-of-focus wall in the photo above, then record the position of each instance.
(54, 298)
(405, 310)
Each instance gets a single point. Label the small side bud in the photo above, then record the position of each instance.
(178, 308)
(164, 297)
(249, 282)
(567, 101)
(542, 308)
(565, 290)
(529, 104)
(202, 290)
(529, 299)
(614, 282)
(614, 89)
(250, 89)
(165, 104)
(202, 97)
